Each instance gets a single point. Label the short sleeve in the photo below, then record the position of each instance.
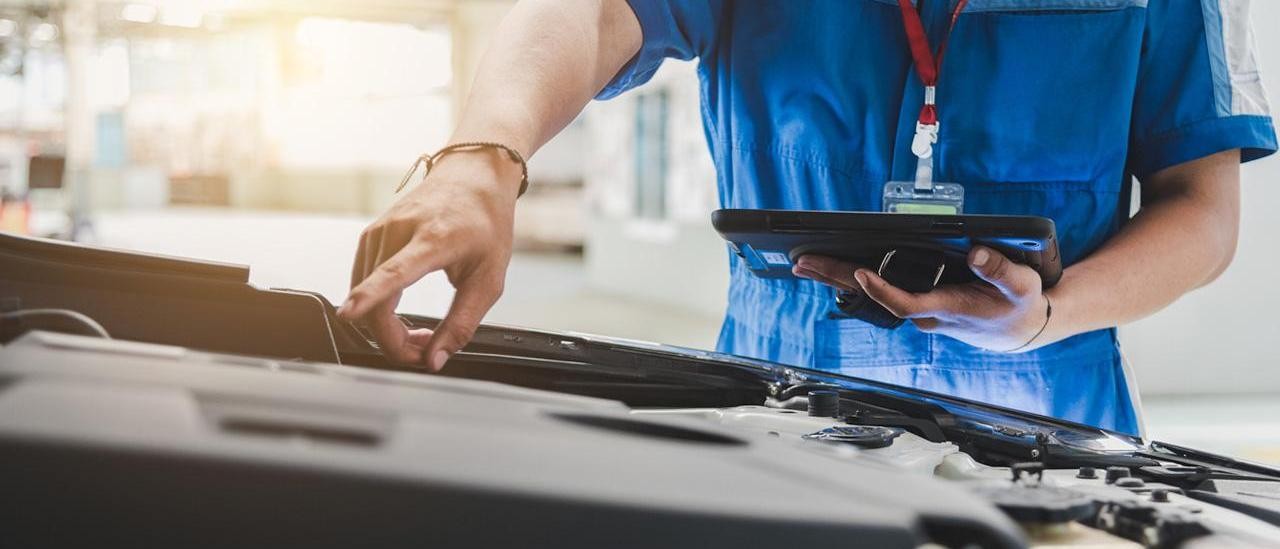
(1198, 90)
(680, 29)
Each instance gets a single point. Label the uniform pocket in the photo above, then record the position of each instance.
(849, 344)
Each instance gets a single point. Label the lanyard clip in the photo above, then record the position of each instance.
(926, 136)
(922, 147)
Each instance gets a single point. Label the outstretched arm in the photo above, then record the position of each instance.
(549, 59)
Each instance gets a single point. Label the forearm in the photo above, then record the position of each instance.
(1183, 237)
(549, 58)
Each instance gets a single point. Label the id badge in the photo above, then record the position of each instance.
(938, 198)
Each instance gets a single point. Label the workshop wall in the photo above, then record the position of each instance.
(1226, 334)
(654, 244)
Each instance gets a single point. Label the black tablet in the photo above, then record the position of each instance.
(770, 241)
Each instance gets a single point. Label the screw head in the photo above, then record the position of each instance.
(1130, 482)
(1115, 473)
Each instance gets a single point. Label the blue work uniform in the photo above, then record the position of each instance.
(1047, 107)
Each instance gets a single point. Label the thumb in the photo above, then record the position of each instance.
(472, 300)
(1010, 278)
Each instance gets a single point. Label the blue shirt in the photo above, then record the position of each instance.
(1047, 107)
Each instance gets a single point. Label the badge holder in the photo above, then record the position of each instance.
(915, 270)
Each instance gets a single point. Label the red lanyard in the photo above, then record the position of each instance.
(928, 66)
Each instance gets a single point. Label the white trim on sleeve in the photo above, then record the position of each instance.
(1248, 97)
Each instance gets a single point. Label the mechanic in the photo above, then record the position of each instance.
(1044, 107)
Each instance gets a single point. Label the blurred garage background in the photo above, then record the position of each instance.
(269, 132)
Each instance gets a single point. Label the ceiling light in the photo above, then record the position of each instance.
(44, 32)
(139, 13)
(182, 16)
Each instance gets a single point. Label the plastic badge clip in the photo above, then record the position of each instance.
(922, 147)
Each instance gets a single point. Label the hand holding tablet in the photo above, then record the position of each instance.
(914, 252)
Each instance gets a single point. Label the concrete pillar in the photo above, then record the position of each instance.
(79, 32)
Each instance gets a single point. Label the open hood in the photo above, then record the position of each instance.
(663, 427)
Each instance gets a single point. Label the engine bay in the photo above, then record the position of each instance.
(1087, 506)
(203, 412)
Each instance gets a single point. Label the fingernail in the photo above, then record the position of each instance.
(862, 278)
(980, 257)
(346, 306)
(438, 359)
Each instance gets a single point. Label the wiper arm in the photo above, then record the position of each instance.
(1222, 465)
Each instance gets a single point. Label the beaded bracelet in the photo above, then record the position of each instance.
(429, 160)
